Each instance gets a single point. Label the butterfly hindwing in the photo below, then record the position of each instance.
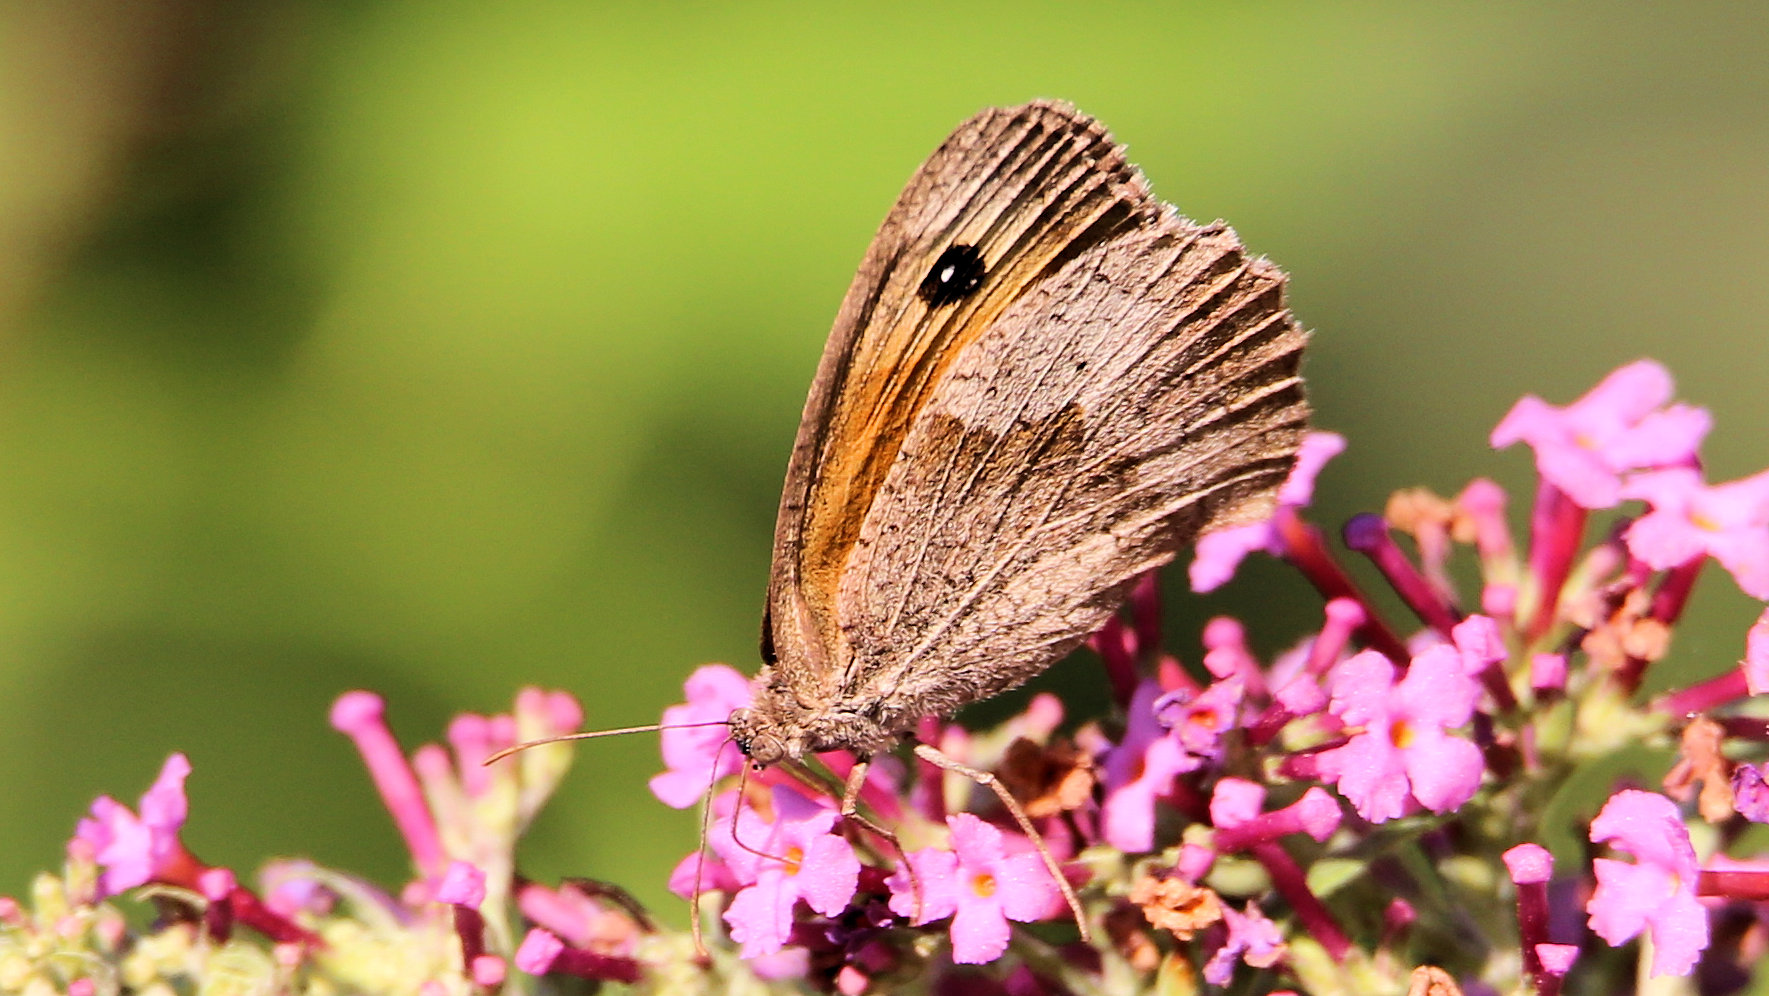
(1145, 392)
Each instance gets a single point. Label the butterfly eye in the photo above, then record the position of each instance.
(955, 274)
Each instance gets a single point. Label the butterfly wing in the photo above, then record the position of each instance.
(1028, 188)
(1145, 392)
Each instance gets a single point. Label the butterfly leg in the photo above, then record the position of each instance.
(988, 780)
(850, 810)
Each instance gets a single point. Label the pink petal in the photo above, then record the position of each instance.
(1679, 934)
(1445, 771)
(1216, 555)
(828, 875)
(1586, 477)
(760, 917)
(1235, 801)
(1360, 686)
(1649, 827)
(680, 789)
(714, 876)
(1371, 776)
(1746, 556)
(1664, 438)
(1664, 540)
(1529, 418)
(462, 885)
(1437, 690)
(979, 933)
(1744, 502)
(1625, 896)
(538, 952)
(1024, 888)
(163, 806)
(935, 872)
(1317, 448)
(1626, 395)
(1756, 655)
(975, 841)
(1128, 817)
(1481, 643)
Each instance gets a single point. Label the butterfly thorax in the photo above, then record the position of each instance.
(778, 727)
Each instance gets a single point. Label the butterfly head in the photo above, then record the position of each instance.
(765, 736)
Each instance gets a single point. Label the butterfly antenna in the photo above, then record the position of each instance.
(593, 734)
(706, 815)
(743, 783)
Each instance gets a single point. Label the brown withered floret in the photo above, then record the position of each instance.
(1175, 905)
(1128, 929)
(1700, 761)
(1626, 634)
(1047, 780)
(1429, 980)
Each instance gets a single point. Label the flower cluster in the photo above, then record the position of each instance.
(1333, 820)
(1479, 801)
(451, 931)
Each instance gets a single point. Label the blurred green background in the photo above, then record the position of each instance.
(439, 348)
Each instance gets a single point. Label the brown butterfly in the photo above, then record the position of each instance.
(1042, 383)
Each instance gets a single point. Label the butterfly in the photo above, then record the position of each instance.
(1042, 383)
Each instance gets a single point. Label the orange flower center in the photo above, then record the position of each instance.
(1702, 522)
(983, 885)
(1401, 734)
(795, 857)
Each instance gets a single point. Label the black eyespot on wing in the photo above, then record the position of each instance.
(955, 274)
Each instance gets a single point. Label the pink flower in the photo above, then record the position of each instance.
(1138, 771)
(538, 951)
(1686, 519)
(1236, 810)
(1622, 424)
(132, 849)
(979, 885)
(695, 756)
(1200, 722)
(578, 918)
(462, 885)
(1404, 752)
(1251, 938)
(1220, 552)
(1657, 891)
(799, 859)
(1481, 644)
(1756, 656)
(1750, 793)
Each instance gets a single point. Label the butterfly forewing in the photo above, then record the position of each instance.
(1026, 189)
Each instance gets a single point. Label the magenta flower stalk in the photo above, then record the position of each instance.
(1368, 535)
(1530, 867)
(361, 716)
